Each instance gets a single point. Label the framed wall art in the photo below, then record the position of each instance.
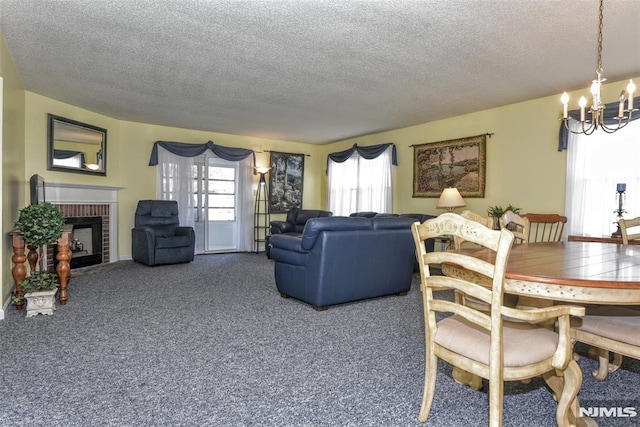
(456, 163)
(286, 181)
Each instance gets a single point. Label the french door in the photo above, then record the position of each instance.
(216, 198)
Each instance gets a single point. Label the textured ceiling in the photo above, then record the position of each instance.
(311, 71)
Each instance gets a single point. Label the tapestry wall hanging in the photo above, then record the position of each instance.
(456, 163)
(286, 179)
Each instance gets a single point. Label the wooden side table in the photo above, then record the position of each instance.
(19, 271)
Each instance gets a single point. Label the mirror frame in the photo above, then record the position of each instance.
(82, 127)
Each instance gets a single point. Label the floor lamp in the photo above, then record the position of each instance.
(261, 210)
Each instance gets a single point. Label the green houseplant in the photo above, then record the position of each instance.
(39, 224)
(497, 211)
(39, 281)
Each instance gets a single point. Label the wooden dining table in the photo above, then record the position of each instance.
(581, 272)
(568, 272)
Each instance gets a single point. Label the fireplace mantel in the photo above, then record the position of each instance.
(81, 194)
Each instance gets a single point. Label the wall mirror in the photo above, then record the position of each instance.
(76, 147)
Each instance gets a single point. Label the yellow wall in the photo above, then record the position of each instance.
(12, 153)
(523, 166)
(129, 147)
(140, 179)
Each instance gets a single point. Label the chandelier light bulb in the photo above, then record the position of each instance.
(631, 87)
(565, 104)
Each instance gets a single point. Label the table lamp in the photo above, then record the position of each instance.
(450, 199)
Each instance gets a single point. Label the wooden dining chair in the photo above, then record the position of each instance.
(625, 225)
(545, 227)
(489, 345)
(609, 329)
(612, 332)
(484, 220)
(517, 224)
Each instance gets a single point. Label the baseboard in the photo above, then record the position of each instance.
(5, 307)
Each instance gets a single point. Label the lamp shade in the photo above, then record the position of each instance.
(450, 199)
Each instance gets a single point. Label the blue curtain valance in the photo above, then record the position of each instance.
(369, 152)
(192, 150)
(610, 112)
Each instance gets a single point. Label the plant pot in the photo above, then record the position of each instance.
(41, 302)
(496, 222)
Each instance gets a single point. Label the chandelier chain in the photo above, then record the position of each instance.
(599, 69)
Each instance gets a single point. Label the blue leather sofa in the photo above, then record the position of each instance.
(339, 259)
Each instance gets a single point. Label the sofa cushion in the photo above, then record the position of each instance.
(391, 222)
(315, 226)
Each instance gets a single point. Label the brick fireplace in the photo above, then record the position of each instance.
(92, 210)
(90, 243)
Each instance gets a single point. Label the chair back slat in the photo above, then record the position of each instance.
(518, 225)
(545, 227)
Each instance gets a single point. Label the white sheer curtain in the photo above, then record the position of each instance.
(595, 164)
(244, 209)
(175, 179)
(358, 184)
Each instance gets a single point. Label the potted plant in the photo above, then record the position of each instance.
(496, 212)
(39, 289)
(39, 224)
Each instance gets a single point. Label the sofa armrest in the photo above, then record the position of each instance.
(286, 242)
(143, 243)
(184, 231)
(280, 227)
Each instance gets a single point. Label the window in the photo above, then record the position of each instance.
(595, 164)
(358, 184)
(218, 185)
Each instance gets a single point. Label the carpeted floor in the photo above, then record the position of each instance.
(211, 343)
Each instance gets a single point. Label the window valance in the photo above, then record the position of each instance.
(192, 150)
(610, 113)
(369, 152)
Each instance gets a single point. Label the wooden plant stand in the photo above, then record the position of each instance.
(19, 271)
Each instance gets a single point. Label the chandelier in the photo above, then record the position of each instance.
(596, 119)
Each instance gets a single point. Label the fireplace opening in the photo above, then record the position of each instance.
(86, 242)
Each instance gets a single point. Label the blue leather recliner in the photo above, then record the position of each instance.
(157, 237)
(339, 259)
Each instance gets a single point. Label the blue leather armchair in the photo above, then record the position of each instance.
(341, 259)
(294, 223)
(296, 220)
(157, 237)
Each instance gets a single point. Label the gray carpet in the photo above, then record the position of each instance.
(211, 343)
